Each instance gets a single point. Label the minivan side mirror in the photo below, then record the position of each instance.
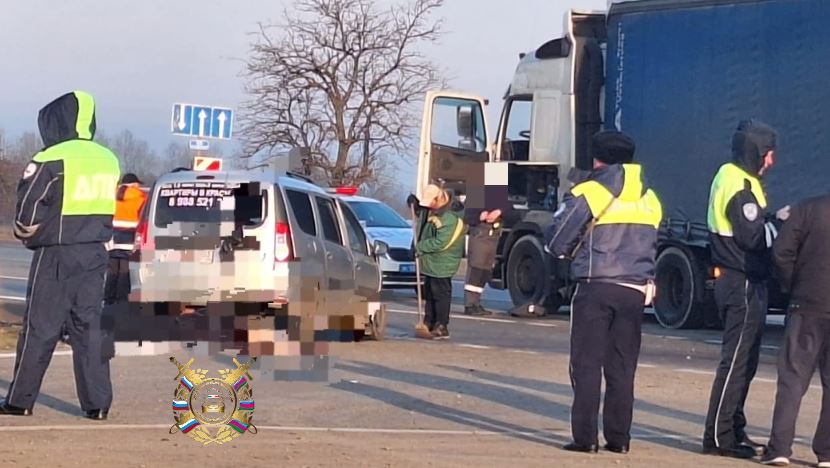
(380, 248)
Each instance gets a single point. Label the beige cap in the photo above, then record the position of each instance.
(429, 194)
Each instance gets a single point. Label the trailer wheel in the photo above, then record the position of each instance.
(679, 284)
(527, 271)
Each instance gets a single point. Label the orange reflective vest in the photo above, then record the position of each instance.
(129, 203)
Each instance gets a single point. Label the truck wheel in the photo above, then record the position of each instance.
(679, 284)
(527, 271)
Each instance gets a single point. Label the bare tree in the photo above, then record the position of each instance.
(176, 155)
(135, 154)
(340, 77)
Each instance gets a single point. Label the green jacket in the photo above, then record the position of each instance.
(441, 244)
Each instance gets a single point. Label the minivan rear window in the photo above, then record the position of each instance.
(201, 202)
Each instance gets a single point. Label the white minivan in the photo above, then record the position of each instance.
(261, 242)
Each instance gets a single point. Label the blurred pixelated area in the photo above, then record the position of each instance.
(216, 277)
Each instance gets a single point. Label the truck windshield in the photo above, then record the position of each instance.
(208, 203)
(378, 215)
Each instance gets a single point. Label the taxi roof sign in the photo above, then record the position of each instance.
(202, 163)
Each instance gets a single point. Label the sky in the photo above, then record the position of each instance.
(138, 58)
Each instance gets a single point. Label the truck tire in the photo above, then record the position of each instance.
(527, 271)
(679, 285)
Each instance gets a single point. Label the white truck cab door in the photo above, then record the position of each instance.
(454, 141)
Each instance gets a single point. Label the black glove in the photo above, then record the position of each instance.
(412, 200)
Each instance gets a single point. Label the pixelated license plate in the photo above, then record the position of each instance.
(408, 268)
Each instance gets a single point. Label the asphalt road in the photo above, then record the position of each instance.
(496, 394)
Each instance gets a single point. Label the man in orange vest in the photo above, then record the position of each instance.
(129, 203)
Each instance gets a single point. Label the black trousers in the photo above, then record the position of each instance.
(438, 299)
(612, 315)
(743, 308)
(806, 347)
(117, 288)
(66, 287)
(477, 279)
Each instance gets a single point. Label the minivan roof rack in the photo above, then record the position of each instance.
(296, 175)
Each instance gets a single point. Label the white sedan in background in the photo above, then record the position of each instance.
(383, 223)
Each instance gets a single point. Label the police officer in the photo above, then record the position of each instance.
(607, 225)
(129, 202)
(481, 259)
(741, 237)
(801, 255)
(66, 201)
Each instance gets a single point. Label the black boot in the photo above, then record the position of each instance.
(574, 447)
(97, 414)
(8, 410)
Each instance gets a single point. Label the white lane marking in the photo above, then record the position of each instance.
(15, 278)
(772, 347)
(480, 319)
(647, 366)
(523, 351)
(56, 353)
(715, 342)
(474, 346)
(695, 371)
(13, 298)
(358, 430)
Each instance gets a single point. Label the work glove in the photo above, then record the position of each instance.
(412, 200)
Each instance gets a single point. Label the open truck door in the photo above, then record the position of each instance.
(454, 141)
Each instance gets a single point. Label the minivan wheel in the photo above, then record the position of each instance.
(679, 284)
(527, 271)
(378, 323)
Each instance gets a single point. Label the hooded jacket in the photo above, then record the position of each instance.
(621, 248)
(440, 244)
(740, 237)
(66, 194)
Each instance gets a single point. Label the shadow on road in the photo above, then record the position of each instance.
(410, 403)
(497, 394)
(565, 390)
(532, 404)
(49, 401)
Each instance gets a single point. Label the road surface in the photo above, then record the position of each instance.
(496, 394)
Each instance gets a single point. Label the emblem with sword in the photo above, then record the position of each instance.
(213, 410)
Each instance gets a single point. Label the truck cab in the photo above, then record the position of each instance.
(551, 108)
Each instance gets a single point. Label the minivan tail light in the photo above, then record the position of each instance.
(140, 235)
(282, 243)
(141, 240)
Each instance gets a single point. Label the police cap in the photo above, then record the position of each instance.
(612, 147)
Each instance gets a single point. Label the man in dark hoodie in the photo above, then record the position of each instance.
(741, 236)
(607, 225)
(66, 201)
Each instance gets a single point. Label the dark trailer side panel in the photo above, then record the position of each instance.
(681, 74)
